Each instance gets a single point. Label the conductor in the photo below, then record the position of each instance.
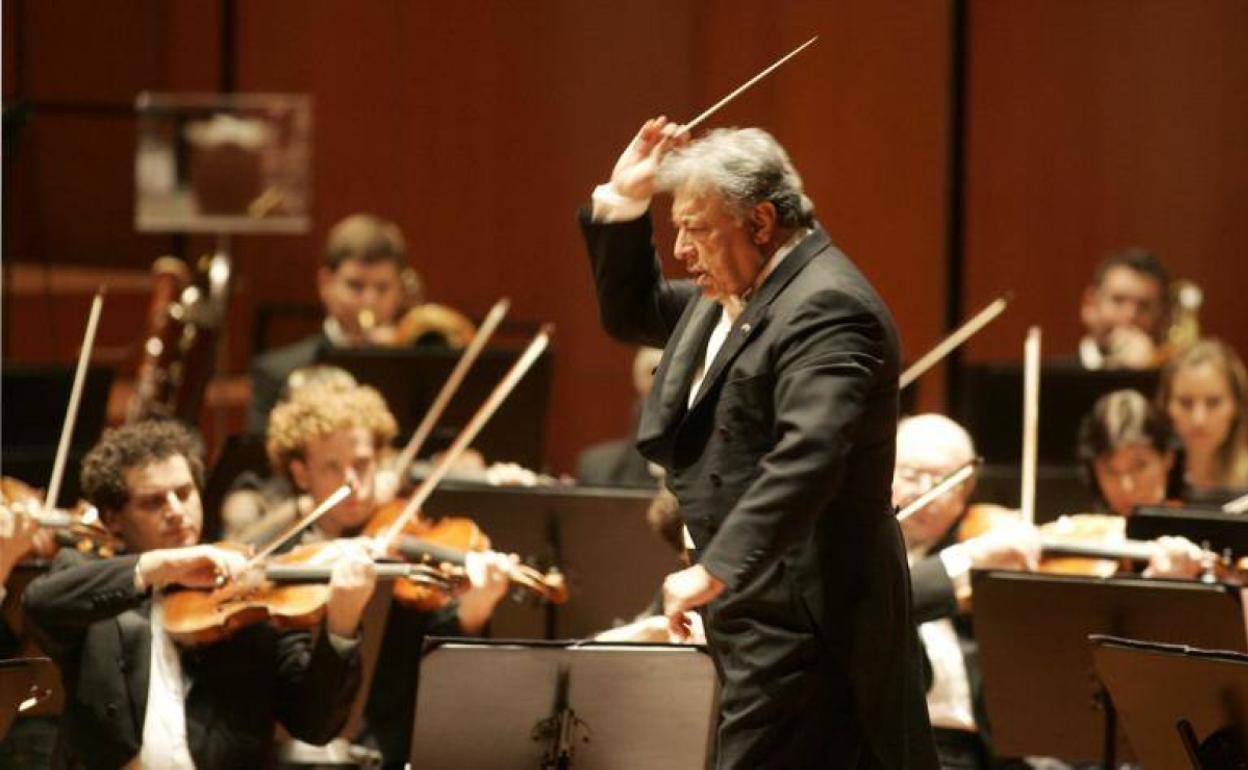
(774, 412)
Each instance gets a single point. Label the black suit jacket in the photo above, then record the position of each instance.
(269, 372)
(89, 618)
(783, 467)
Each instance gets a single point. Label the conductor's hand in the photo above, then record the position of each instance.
(684, 591)
(196, 566)
(351, 585)
(634, 172)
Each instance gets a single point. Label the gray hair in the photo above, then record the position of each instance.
(746, 167)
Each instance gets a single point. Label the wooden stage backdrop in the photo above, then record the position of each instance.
(481, 126)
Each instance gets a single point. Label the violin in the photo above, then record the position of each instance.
(1091, 544)
(77, 528)
(291, 591)
(443, 545)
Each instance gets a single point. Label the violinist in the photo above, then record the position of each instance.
(19, 537)
(134, 698)
(929, 447)
(326, 436)
(31, 739)
(1126, 453)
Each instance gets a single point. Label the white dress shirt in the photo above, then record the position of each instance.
(164, 724)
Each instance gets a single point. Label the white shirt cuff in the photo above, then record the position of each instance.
(610, 206)
(343, 644)
(957, 563)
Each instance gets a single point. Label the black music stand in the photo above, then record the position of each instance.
(1039, 683)
(990, 405)
(612, 561)
(1180, 706)
(410, 379)
(1220, 530)
(589, 706)
(33, 398)
(19, 688)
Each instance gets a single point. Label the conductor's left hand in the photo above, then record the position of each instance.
(687, 590)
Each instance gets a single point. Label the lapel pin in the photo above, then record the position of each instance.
(745, 328)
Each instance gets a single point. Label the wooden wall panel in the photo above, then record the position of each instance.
(480, 127)
(864, 114)
(1095, 126)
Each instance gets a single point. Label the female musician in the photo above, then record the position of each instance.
(133, 696)
(1124, 447)
(326, 436)
(1204, 391)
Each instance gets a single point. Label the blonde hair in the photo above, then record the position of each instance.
(317, 410)
(1232, 456)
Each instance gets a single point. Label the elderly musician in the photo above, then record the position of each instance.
(134, 698)
(327, 435)
(1119, 446)
(773, 411)
(929, 448)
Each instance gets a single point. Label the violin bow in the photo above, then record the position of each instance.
(75, 397)
(714, 108)
(955, 339)
(300, 525)
(1238, 505)
(1031, 423)
(421, 434)
(386, 539)
(951, 480)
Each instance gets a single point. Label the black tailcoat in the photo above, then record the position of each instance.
(783, 469)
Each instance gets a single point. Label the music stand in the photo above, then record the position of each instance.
(1039, 683)
(1201, 720)
(409, 379)
(1220, 530)
(612, 561)
(32, 408)
(19, 688)
(589, 706)
(990, 405)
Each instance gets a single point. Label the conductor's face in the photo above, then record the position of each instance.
(721, 254)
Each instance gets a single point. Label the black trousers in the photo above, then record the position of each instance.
(960, 750)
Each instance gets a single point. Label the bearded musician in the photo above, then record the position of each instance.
(328, 435)
(135, 699)
(929, 448)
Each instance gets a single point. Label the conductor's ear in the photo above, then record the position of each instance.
(762, 223)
